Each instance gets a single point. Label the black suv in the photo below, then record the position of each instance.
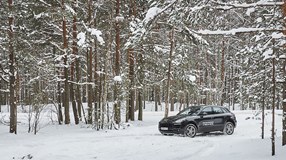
(199, 119)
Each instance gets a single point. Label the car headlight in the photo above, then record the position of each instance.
(180, 120)
(164, 120)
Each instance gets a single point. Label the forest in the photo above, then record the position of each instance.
(116, 55)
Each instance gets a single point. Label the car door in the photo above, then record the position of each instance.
(218, 117)
(206, 120)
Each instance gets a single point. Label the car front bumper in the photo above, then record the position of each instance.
(170, 128)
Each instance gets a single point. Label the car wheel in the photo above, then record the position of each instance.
(190, 130)
(228, 128)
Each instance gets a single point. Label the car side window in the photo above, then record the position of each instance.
(207, 110)
(217, 110)
(226, 110)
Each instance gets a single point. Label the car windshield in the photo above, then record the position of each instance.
(194, 110)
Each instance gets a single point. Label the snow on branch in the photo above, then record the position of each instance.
(5, 72)
(194, 36)
(97, 34)
(268, 54)
(248, 5)
(236, 30)
(151, 16)
(45, 3)
(117, 79)
(70, 9)
(4, 91)
(58, 47)
(81, 39)
(154, 12)
(145, 25)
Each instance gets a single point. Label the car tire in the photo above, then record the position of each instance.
(228, 128)
(190, 130)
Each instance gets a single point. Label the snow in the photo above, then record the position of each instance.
(119, 18)
(162, 49)
(81, 39)
(97, 34)
(5, 91)
(151, 13)
(45, 3)
(268, 54)
(141, 140)
(259, 20)
(282, 57)
(249, 11)
(37, 16)
(196, 36)
(234, 31)
(192, 78)
(70, 9)
(248, 5)
(94, 32)
(276, 35)
(117, 78)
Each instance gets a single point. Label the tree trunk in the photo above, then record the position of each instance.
(89, 85)
(273, 108)
(1, 97)
(60, 113)
(66, 82)
(231, 81)
(140, 89)
(74, 52)
(59, 97)
(284, 84)
(223, 96)
(284, 105)
(130, 53)
(116, 106)
(263, 102)
(13, 105)
(169, 73)
(96, 83)
(187, 99)
(78, 90)
(89, 71)
(156, 90)
(172, 101)
(140, 105)
(100, 95)
(131, 108)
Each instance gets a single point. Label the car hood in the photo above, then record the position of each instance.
(174, 118)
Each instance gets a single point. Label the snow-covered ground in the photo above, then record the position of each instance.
(142, 141)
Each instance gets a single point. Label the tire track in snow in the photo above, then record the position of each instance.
(203, 152)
